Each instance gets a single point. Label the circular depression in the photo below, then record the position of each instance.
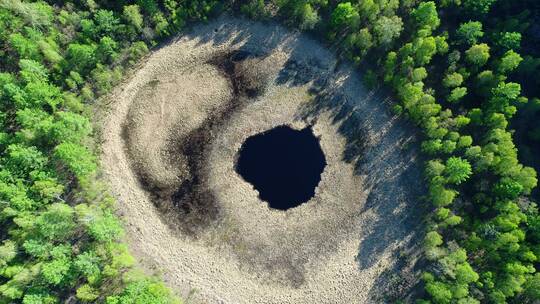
(171, 137)
(284, 165)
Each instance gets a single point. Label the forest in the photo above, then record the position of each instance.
(463, 71)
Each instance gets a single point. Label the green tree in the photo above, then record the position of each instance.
(132, 15)
(452, 80)
(21, 160)
(478, 7)
(477, 54)
(440, 292)
(57, 223)
(532, 287)
(80, 57)
(344, 17)
(509, 41)
(419, 74)
(440, 196)
(362, 40)
(254, 9)
(76, 158)
(106, 23)
(136, 51)
(104, 227)
(70, 127)
(8, 251)
(457, 94)
(106, 50)
(144, 291)
(433, 239)
(434, 168)
(45, 188)
(508, 188)
(426, 15)
(105, 78)
(25, 48)
(502, 97)
(57, 271)
(509, 62)
(308, 17)
(425, 49)
(86, 293)
(32, 71)
(148, 6)
(469, 32)
(386, 29)
(39, 298)
(35, 14)
(465, 141)
(465, 274)
(457, 170)
(369, 10)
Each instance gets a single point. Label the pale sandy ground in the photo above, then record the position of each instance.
(339, 247)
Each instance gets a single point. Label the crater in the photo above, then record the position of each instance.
(216, 127)
(283, 164)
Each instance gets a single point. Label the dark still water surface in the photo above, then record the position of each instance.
(283, 164)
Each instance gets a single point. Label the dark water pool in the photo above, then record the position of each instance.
(283, 164)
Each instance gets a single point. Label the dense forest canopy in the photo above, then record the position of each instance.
(464, 71)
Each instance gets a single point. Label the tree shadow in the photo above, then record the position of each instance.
(384, 151)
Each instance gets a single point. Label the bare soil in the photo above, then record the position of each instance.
(171, 135)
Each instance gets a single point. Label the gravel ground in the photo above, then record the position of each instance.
(170, 137)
